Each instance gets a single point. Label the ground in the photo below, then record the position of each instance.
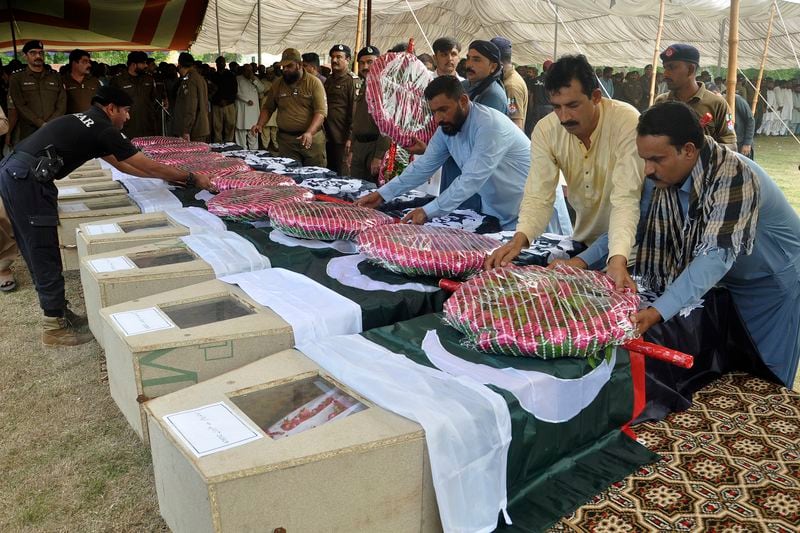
(69, 460)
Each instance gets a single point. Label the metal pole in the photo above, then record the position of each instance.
(555, 36)
(733, 56)
(258, 14)
(369, 21)
(655, 53)
(721, 41)
(359, 31)
(216, 14)
(13, 29)
(763, 60)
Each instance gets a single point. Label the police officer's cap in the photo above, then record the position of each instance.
(32, 45)
(137, 57)
(340, 48)
(681, 52)
(368, 51)
(112, 95)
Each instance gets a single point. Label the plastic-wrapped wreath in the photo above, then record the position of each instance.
(156, 140)
(325, 221)
(177, 158)
(215, 167)
(189, 147)
(255, 203)
(251, 178)
(426, 250)
(533, 311)
(396, 100)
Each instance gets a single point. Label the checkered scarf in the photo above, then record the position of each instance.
(722, 214)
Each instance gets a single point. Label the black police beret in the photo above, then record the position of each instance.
(137, 57)
(341, 48)
(112, 95)
(368, 51)
(32, 45)
(681, 52)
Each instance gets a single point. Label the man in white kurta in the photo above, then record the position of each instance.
(771, 113)
(786, 102)
(247, 108)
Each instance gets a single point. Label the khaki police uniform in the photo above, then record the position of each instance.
(367, 142)
(144, 111)
(79, 93)
(191, 108)
(38, 98)
(704, 101)
(340, 91)
(517, 93)
(296, 105)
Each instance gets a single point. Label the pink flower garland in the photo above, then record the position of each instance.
(532, 311)
(325, 221)
(426, 250)
(254, 203)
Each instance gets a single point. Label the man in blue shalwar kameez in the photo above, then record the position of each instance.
(711, 216)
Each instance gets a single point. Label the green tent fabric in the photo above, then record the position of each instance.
(553, 468)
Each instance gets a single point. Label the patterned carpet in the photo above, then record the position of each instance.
(731, 463)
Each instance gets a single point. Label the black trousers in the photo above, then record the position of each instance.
(32, 208)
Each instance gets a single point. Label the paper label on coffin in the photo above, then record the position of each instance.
(142, 321)
(69, 191)
(111, 264)
(210, 429)
(76, 207)
(101, 229)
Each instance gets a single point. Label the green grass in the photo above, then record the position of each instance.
(780, 157)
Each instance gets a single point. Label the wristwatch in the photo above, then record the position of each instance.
(190, 180)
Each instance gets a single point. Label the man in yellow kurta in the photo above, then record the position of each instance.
(592, 141)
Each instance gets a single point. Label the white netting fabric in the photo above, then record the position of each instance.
(326, 221)
(255, 203)
(396, 100)
(533, 311)
(252, 178)
(426, 250)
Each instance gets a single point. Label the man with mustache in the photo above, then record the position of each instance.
(300, 100)
(38, 95)
(712, 216)
(591, 139)
(141, 87)
(681, 62)
(446, 53)
(340, 90)
(79, 85)
(367, 146)
(493, 154)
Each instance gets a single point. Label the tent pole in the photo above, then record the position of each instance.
(13, 29)
(763, 60)
(369, 21)
(733, 55)
(655, 53)
(216, 15)
(359, 31)
(258, 15)
(721, 44)
(555, 36)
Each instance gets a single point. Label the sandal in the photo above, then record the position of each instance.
(7, 282)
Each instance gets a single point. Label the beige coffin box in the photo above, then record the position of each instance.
(124, 275)
(88, 174)
(73, 213)
(368, 471)
(127, 232)
(90, 189)
(211, 328)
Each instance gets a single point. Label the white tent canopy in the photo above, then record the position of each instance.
(609, 32)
